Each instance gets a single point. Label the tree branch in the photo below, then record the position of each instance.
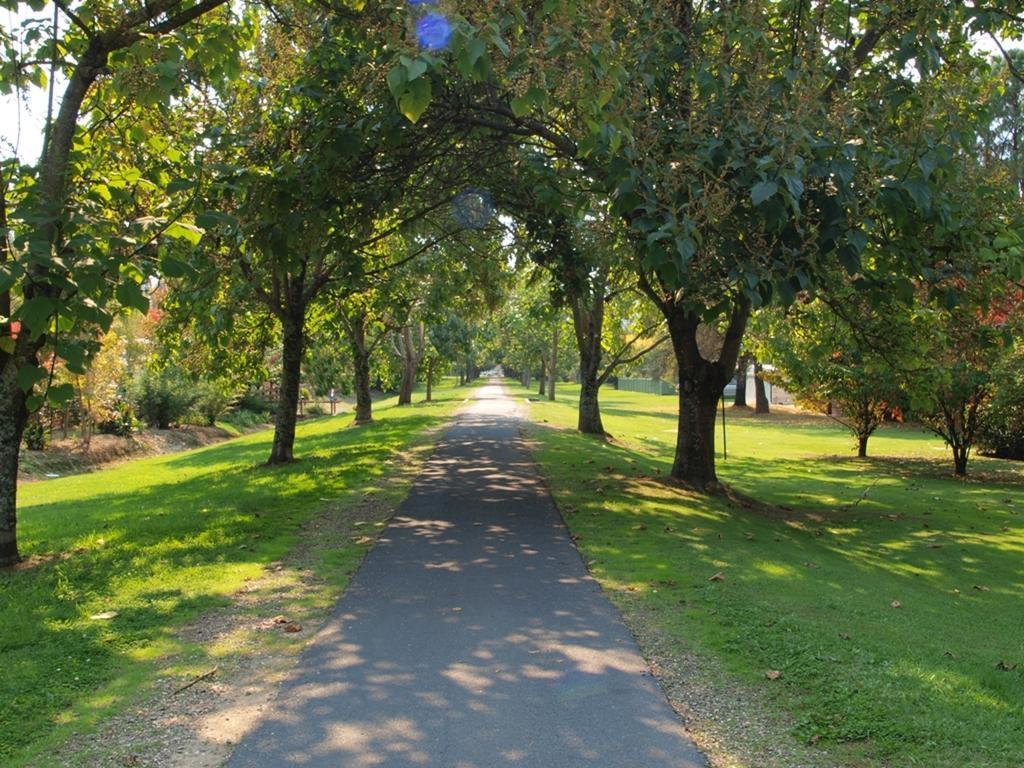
(75, 18)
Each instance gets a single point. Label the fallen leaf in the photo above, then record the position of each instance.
(279, 620)
(812, 565)
(895, 604)
(981, 588)
(949, 654)
(844, 636)
(105, 616)
(1005, 666)
(292, 627)
(748, 536)
(773, 674)
(718, 577)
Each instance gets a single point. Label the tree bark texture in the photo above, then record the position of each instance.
(740, 401)
(700, 387)
(293, 346)
(13, 417)
(588, 323)
(760, 395)
(543, 377)
(361, 369)
(430, 380)
(411, 348)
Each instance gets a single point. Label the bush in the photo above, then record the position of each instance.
(315, 410)
(212, 402)
(122, 423)
(34, 436)
(162, 398)
(1001, 422)
(243, 420)
(254, 402)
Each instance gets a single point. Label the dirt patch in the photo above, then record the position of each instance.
(212, 691)
(70, 457)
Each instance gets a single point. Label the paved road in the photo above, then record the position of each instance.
(472, 637)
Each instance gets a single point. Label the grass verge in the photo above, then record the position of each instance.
(123, 558)
(883, 595)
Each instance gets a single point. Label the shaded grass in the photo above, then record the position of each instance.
(808, 589)
(159, 541)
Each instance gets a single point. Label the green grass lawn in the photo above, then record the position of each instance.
(810, 586)
(160, 541)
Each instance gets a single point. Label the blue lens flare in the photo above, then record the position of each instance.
(433, 31)
(473, 208)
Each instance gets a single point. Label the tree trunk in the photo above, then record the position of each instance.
(361, 369)
(294, 333)
(13, 417)
(960, 454)
(589, 420)
(760, 395)
(588, 322)
(862, 446)
(740, 401)
(543, 377)
(700, 387)
(553, 367)
(526, 377)
(411, 352)
(430, 380)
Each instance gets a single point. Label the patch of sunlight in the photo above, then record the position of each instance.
(1002, 543)
(154, 649)
(879, 561)
(949, 685)
(775, 570)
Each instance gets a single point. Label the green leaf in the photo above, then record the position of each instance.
(173, 268)
(521, 106)
(416, 100)
(686, 248)
(920, 193)
(29, 376)
(179, 230)
(61, 394)
(130, 296)
(397, 80)
(35, 314)
(763, 191)
(415, 68)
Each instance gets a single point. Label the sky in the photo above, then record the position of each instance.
(22, 119)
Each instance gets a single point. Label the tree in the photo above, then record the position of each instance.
(730, 205)
(330, 178)
(839, 372)
(75, 255)
(966, 346)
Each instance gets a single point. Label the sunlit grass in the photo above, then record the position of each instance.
(159, 541)
(810, 583)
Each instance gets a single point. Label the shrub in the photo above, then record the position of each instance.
(162, 398)
(315, 410)
(1001, 429)
(122, 422)
(34, 436)
(254, 402)
(212, 402)
(246, 419)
